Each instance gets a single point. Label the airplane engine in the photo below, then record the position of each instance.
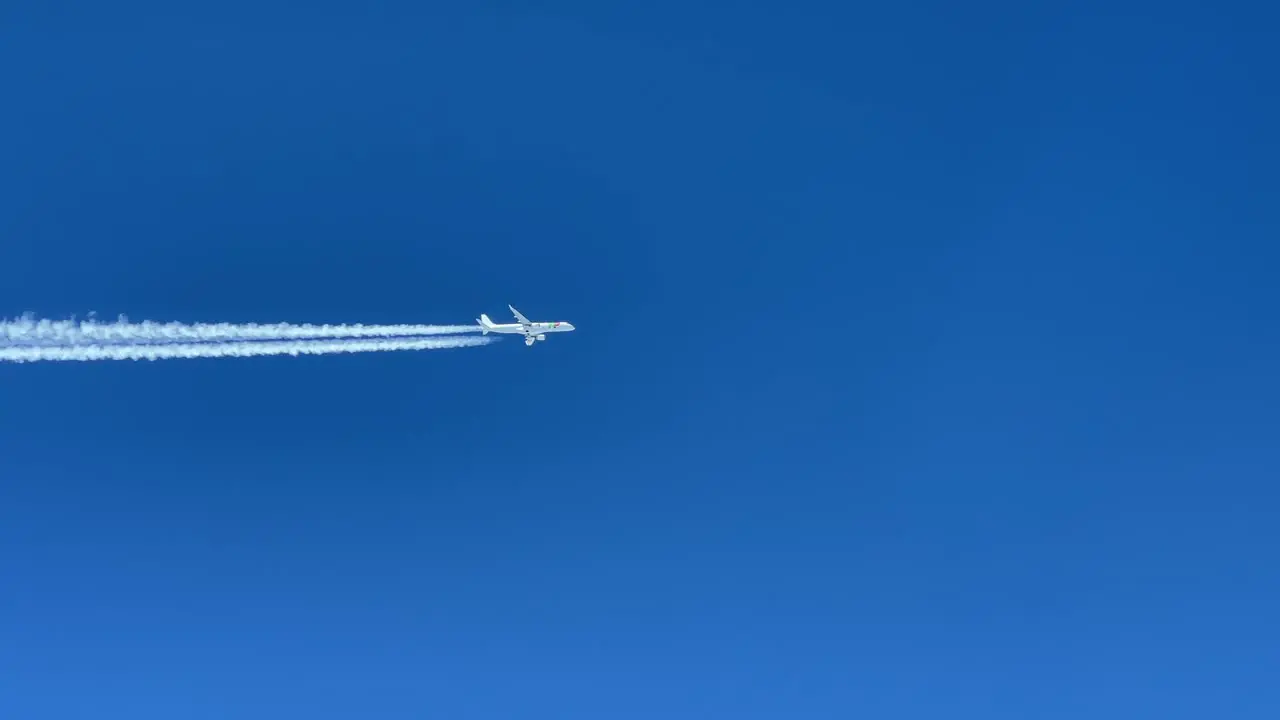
(542, 337)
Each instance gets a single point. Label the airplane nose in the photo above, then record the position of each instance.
(570, 326)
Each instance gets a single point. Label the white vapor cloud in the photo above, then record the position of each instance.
(29, 331)
(88, 353)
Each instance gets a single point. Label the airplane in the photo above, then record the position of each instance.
(531, 331)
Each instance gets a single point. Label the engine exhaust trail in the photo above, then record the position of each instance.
(29, 331)
(167, 351)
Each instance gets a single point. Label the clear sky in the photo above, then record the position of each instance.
(925, 364)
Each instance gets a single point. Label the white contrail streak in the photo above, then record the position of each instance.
(69, 332)
(86, 353)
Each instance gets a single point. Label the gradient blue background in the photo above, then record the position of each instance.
(926, 362)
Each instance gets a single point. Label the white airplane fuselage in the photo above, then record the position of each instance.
(532, 331)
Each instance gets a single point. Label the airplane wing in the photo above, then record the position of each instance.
(523, 320)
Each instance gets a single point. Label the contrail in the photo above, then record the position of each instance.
(86, 353)
(28, 331)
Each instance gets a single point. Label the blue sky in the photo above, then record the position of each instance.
(925, 362)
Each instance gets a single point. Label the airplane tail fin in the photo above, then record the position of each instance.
(485, 323)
